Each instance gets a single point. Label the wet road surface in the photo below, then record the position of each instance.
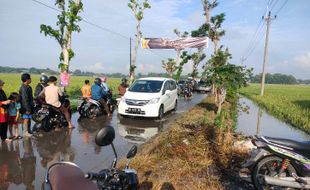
(23, 162)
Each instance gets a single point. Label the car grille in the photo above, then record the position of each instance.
(136, 102)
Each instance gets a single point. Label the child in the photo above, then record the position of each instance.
(13, 115)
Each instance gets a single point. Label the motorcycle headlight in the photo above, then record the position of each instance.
(154, 101)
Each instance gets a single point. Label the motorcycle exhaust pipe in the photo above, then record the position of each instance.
(287, 182)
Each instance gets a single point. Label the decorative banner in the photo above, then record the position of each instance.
(179, 43)
(64, 79)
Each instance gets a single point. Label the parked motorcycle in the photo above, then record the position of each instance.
(280, 164)
(92, 108)
(68, 175)
(51, 117)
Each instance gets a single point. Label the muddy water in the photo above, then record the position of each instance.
(258, 122)
(23, 162)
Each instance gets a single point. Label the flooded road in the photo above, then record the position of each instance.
(258, 122)
(23, 162)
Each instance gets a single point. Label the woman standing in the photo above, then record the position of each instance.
(4, 102)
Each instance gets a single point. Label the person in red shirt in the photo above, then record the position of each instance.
(4, 102)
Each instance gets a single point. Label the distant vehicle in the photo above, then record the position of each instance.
(149, 97)
(202, 86)
(181, 84)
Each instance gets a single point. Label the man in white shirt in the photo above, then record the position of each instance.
(52, 93)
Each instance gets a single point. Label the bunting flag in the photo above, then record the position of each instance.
(179, 43)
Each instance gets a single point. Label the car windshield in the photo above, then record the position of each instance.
(149, 86)
(181, 82)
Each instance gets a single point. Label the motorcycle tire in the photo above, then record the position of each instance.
(47, 125)
(92, 111)
(269, 166)
(36, 117)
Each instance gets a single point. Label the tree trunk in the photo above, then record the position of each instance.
(215, 41)
(134, 56)
(221, 96)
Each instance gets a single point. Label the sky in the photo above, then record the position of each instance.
(106, 49)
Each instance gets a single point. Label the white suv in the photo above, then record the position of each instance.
(149, 97)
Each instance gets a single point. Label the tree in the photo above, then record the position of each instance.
(138, 10)
(197, 58)
(170, 66)
(67, 23)
(180, 35)
(225, 76)
(207, 7)
(184, 59)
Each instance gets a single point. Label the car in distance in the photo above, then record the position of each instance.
(149, 97)
(202, 86)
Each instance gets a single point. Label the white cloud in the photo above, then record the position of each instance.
(303, 61)
(97, 67)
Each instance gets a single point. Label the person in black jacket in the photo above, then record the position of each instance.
(40, 86)
(25, 92)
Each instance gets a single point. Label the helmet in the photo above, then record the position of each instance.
(124, 80)
(97, 81)
(103, 79)
(44, 79)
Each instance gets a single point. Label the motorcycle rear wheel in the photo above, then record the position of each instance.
(270, 166)
(93, 111)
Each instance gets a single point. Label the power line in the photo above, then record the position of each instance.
(95, 25)
(281, 7)
(253, 41)
(272, 6)
(258, 39)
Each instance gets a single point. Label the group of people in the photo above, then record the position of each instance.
(20, 106)
(99, 91)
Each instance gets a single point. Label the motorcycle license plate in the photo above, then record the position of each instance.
(134, 110)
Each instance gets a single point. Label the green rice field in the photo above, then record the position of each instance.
(290, 103)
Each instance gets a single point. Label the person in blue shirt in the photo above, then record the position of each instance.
(98, 94)
(13, 115)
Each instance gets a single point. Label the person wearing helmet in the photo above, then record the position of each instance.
(104, 84)
(40, 86)
(99, 94)
(122, 87)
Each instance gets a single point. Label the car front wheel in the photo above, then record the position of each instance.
(161, 112)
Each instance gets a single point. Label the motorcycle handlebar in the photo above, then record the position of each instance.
(95, 176)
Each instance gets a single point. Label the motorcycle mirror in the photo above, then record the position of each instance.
(105, 136)
(132, 152)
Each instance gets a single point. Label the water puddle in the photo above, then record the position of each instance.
(257, 121)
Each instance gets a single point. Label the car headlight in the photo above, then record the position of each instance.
(154, 101)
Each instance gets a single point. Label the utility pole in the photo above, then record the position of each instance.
(268, 19)
(130, 57)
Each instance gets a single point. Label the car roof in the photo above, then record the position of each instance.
(155, 78)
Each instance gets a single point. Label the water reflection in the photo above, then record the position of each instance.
(55, 146)
(138, 131)
(88, 129)
(255, 121)
(259, 116)
(17, 168)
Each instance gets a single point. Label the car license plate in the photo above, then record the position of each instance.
(134, 110)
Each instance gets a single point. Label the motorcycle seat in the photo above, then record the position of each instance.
(302, 147)
(64, 177)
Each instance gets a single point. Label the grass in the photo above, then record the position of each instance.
(290, 103)
(193, 153)
(13, 83)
